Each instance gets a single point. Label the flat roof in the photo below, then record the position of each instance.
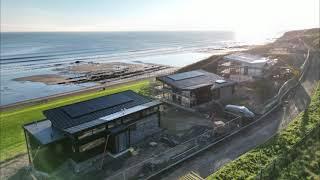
(247, 58)
(43, 132)
(194, 80)
(91, 111)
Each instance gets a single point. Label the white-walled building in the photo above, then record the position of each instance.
(245, 65)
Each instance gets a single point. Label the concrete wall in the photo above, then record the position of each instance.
(144, 127)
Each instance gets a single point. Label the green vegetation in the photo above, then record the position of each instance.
(248, 166)
(12, 140)
(306, 160)
(312, 38)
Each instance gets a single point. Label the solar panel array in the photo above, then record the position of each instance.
(87, 107)
(84, 112)
(185, 75)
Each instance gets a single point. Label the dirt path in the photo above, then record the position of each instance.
(211, 160)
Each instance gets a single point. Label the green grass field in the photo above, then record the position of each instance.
(249, 164)
(12, 140)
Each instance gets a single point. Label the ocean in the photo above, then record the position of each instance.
(34, 53)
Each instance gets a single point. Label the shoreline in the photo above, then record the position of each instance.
(97, 88)
(83, 72)
(46, 99)
(91, 72)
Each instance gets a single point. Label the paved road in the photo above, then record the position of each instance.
(211, 160)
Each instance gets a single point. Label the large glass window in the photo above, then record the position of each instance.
(92, 132)
(149, 111)
(131, 117)
(123, 141)
(92, 144)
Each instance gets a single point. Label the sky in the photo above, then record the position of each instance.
(242, 16)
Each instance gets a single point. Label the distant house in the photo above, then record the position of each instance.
(194, 88)
(243, 64)
(81, 131)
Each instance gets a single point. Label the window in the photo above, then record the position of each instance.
(149, 111)
(133, 127)
(92, 144)
(131, 117)
(246, 69)
(123, 141)
(92, 132)
(111, 125)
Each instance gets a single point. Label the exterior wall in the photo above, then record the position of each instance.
(182, 100)
(252, 71)
(47, 158)
(226, 93)
(144, 127)
(185, 101)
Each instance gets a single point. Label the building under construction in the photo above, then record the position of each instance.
(104, 126)
(193, 88)
(244, 67)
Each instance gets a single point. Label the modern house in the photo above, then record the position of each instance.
(194, 88)
(104, 126)
(239, 66)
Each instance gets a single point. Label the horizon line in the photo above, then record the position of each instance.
(121, 31)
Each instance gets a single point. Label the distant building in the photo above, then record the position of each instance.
(194, 88)
(81, 131)
(240, 66)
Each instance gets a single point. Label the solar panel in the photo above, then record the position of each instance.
(185, 75)
(87, 107)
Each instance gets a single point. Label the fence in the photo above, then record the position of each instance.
(272, 171)
(175, 155)
(287, 86)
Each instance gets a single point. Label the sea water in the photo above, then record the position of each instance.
(35, 53)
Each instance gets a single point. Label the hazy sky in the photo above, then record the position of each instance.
(241, 16)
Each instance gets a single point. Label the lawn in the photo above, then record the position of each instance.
(12, 140)
(248, 165)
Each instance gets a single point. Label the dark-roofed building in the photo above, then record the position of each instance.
(80, 131)
(194, 88)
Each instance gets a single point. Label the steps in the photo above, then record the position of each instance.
(191, 176)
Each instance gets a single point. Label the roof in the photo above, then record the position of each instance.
(247, 58)
(80, 116)
(43, 132)
(111, 117)
(195, 79)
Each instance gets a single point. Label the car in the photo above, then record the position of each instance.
(240, 111)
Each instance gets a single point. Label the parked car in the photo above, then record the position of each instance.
(240, 110)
